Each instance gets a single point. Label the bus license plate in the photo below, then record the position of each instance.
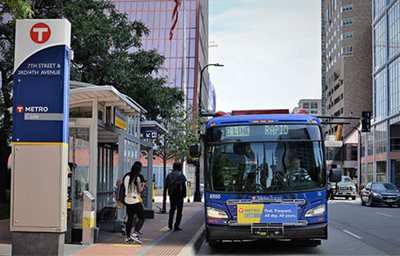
(263, 229)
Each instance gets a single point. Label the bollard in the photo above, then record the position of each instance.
(188, 191)
(153, 190)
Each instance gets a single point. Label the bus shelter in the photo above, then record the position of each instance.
(104, 142)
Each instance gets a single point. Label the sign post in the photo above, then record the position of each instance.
(40, 136)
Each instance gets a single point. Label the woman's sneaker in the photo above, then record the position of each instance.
(123, 229)
(136, 238)
(129, 240)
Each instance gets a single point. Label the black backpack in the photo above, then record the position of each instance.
(120, 195)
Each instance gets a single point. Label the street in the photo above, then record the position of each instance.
(353, 230)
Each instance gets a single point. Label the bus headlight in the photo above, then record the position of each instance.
(316, 211)
(216, 213)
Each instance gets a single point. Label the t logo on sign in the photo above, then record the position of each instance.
(40, 33)
(20, 109)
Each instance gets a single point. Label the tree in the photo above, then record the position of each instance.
(175, 144)
(107, 51)
(19, 9)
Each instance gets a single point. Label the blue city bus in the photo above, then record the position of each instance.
(265, 177)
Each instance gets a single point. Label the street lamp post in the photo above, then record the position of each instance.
(197, 195)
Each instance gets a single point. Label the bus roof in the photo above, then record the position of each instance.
(263, 119)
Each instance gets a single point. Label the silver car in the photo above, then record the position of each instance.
(345, 188)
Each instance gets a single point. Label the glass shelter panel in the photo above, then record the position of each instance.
(79, 154)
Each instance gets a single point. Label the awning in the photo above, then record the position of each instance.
(82, 93)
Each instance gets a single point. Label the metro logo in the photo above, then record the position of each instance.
(40, 33)
(20, 109)
(37, 109)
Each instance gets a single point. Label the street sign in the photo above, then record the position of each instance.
(150, 134)
(41, 81)
(40, 133)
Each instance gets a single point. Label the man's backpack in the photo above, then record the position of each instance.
(120, 195)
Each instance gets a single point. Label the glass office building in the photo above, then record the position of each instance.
(381, 147)
(157, 16)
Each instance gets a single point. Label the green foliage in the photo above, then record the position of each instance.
(19, 8)
(107, 51)
(175, 144)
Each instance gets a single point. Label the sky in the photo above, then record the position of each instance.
(271, 52)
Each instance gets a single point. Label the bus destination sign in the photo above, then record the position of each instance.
(244, 131)
(237, 131)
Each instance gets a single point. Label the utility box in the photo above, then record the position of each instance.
(39, 201)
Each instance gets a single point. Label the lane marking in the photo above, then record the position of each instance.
(352, 234)
(384, 214)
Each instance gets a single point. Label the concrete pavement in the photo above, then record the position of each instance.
(157, 238)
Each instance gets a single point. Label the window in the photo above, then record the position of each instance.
(347, 35)
(306, 105)
(380, 95)
(314, 105)
(347, 7)
(346, 22)
(380, 43)
(394, 87)
(379, 6)
(380, 135)
(348, 50)
(394, 29)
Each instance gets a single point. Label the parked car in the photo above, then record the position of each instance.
(380, 193)
(344, 188)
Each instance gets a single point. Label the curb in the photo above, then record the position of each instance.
(194, 244)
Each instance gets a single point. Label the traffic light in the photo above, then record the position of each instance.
(366, 121)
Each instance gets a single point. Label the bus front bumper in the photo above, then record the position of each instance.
(311, 231)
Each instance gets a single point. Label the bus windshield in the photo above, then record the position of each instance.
(258, 166)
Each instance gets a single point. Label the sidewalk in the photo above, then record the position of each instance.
(157, 238)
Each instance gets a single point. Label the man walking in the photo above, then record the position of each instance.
(176, 185)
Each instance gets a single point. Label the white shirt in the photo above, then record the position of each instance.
(132, 197)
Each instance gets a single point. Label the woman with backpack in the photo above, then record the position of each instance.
(133, 189)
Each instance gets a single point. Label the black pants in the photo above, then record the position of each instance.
(176, 204)
(131, 210)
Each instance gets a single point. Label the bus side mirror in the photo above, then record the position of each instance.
(335, 175)
(194, 150)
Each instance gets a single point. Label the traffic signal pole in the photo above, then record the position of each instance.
(365, 121)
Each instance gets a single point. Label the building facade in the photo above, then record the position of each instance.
(381, 147)
(346, 60)
(157, 16)
(313, 106)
